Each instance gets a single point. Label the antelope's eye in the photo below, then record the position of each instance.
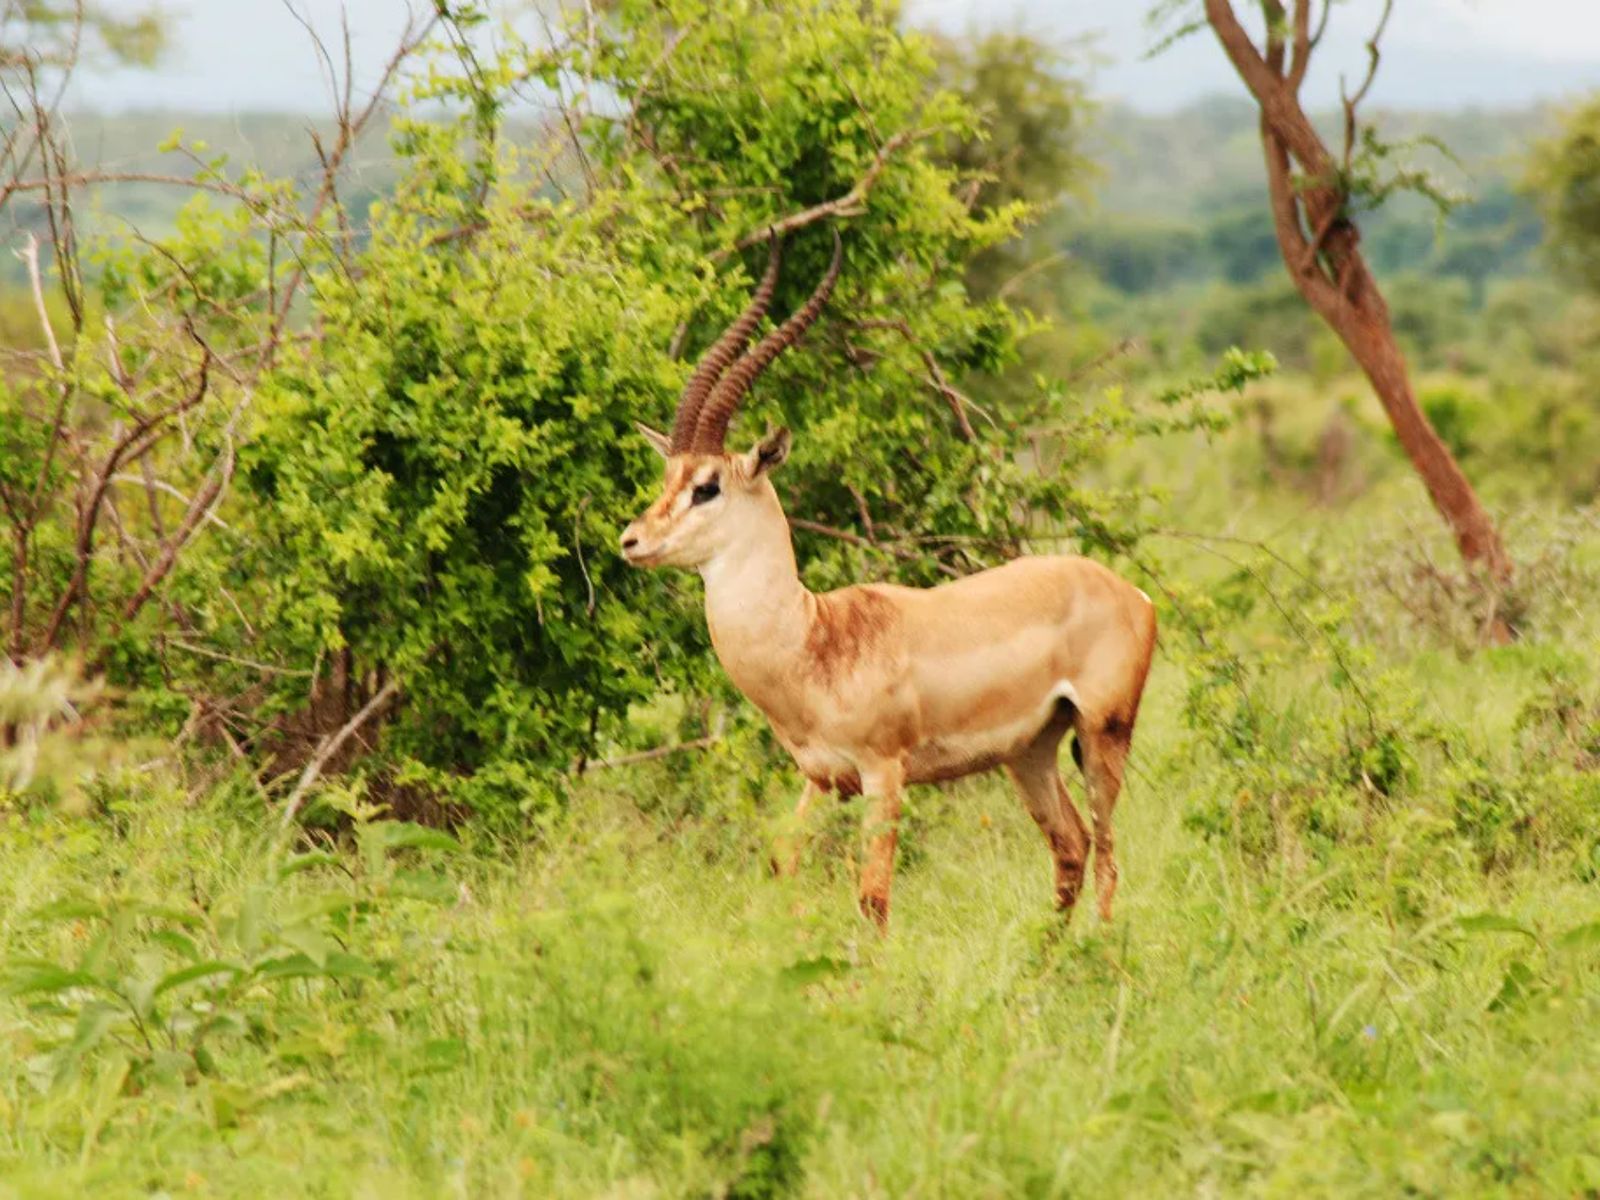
(706, 491)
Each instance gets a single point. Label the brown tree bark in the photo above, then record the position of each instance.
(1321, 249)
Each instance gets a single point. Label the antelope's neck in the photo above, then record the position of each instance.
(758, 611)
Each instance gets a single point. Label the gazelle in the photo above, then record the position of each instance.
(874, 687)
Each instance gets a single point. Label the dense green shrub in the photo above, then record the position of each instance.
(1323, 754)
(436, 487)
(378, 511)
(1564, 177)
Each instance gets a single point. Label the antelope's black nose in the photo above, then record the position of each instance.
(629, 542)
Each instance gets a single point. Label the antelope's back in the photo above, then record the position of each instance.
(997, 650)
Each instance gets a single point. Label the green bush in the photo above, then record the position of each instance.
(1322, 754)
(437, 487)
(138, 993)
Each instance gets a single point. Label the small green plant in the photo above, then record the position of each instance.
(689, 1074)
(171, 991)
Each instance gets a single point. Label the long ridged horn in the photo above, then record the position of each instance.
(712, 433)
(722, 353)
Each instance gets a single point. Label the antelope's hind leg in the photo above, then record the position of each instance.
(1045, 796)
(1105, 754)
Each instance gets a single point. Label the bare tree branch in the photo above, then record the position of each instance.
(851, 204)
(959, 402)
(202, 507)
(644, 756)
(1321, 248)
(29, 254)
(136, 441)
(331, 746)
(1352, 102)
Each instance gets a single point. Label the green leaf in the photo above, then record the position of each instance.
(104, 1095)
(314, 944)
(179, 942)
(442, 1054)
(315, 908)
(305, 862)
(1581, 936)
(288, 966)
(347, 966)
(94, 1022)
(67, 909)
(403, 835)
(188, 918)
(1488, 922)
(1516, 985)
(194, 971)
(810, 970)
(252, 915)
(27, 977)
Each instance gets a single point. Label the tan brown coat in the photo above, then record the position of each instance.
(875, 687)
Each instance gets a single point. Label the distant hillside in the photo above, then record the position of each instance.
(280, 144)
(1208, 155)
(1180, 198)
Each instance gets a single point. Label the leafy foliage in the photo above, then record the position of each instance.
(1359, 946)
(438, 486)
(1564, 178)
(170, 995)
(54, 33)
(1360, 760)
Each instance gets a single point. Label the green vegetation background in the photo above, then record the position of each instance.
(1357, 949)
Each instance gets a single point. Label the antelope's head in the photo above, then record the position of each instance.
(712, 501)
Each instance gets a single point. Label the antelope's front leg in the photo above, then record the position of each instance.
(791, 839)
(882, 787)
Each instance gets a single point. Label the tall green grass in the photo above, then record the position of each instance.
(633, 1007)
(1331, 973)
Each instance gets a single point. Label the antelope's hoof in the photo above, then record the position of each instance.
(876, 909)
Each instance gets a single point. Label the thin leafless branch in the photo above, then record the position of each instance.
(958, 401)
(644, 756)
(1350, 102)
(331, 746)
(851, 204)
(29, 254)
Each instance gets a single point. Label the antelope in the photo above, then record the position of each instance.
(874, 687)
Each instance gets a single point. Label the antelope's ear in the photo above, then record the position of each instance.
(768, 452)
(659, 441)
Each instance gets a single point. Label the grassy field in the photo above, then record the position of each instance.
(632, 1007)
(1330, 988)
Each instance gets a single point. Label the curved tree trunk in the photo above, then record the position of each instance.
(1321, 249)
(1371, 342)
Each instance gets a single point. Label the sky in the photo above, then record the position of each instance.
(240, 55)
